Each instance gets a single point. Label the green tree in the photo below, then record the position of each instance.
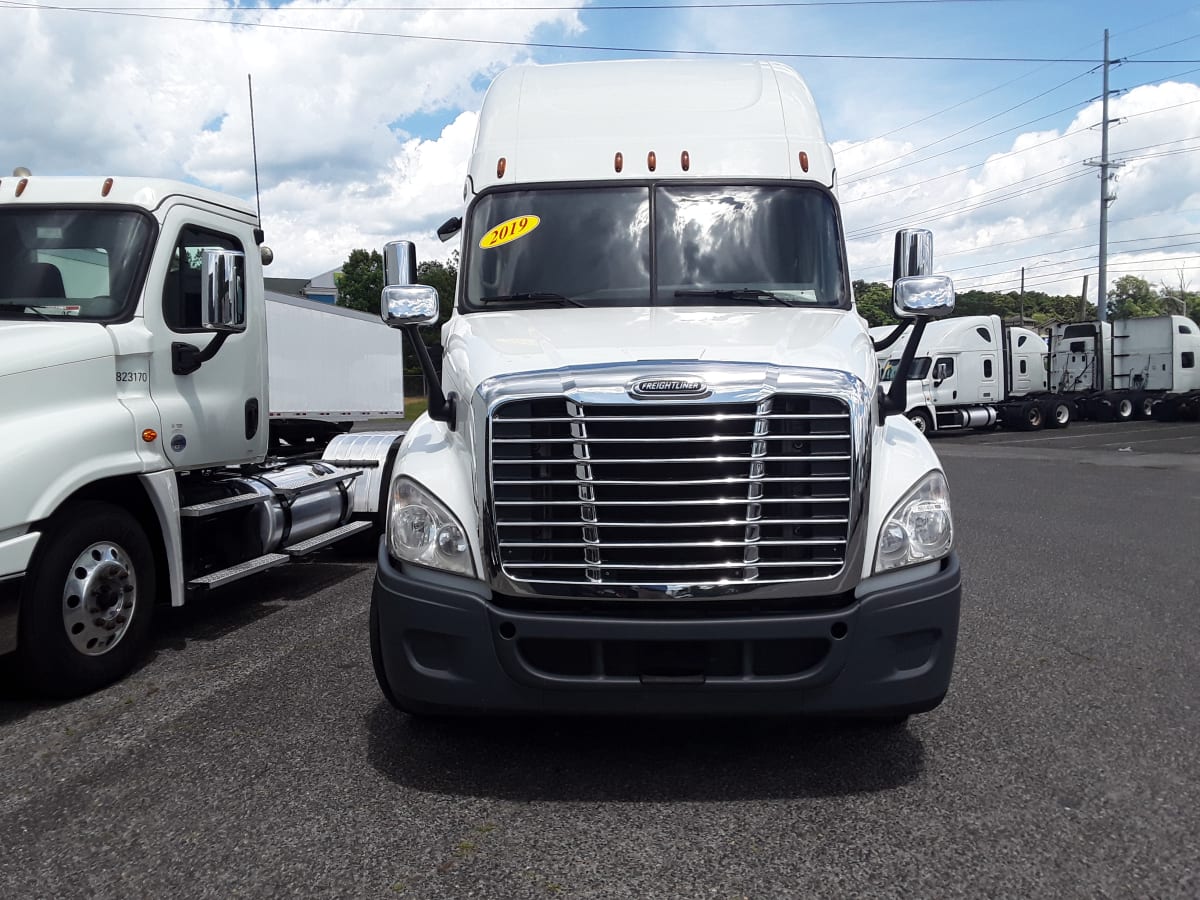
(1131, 297)
(874, 301)
(360, 282)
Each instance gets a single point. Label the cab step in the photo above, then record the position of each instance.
(317, 542)
(238, 572)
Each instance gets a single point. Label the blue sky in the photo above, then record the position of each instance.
(364, 138)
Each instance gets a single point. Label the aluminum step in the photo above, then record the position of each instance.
(324, 540)
(241, 570)
(212, 507)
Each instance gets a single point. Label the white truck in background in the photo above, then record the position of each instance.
(1129, 368)
(659, 474)
(137, 382)
(976, 372)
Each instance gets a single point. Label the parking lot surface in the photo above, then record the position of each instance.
(252, 754)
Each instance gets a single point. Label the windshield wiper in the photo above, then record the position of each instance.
(18, 309)
(763, 297)
(536, 297)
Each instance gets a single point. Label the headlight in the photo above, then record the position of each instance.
(919, 528)
(421, 530)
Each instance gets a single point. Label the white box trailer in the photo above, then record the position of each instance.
(1129, 368)
(330, 367)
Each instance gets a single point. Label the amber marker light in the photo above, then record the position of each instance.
(21, 186)
(803, 161)
(651, 161)
(107, 187)
(149, 435)
(501, 165)
(685, 160)
(618, 161)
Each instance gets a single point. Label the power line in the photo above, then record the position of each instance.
(547, 45)
(257, 7)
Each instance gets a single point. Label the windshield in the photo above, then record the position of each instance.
(920, 368)
(663, 244)
(71, 264)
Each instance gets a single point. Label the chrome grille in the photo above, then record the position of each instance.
(651, 495)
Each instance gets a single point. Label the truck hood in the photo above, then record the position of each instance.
(25, 346)
(484, 345)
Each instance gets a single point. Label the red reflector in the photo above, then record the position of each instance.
(618, 162)
(803, 161)
(685, 160)
(651, 161)
(501, 165)
(21, 186)
(107, 187)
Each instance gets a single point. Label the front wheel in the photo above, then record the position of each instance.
(87, 601)
(921, 420)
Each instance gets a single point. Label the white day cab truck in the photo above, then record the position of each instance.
(139, 397)
(1129, 368)
(658, 473)
(976, 372)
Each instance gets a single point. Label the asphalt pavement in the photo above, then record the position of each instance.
(252, 754)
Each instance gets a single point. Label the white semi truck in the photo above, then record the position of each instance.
(659, 473)
(1129, 368)
(976, 372)
(137, 405)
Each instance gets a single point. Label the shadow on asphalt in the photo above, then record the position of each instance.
(586, 760)
(208, 618)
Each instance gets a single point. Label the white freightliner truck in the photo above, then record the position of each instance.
(136, 415)
(659, 474)
(1129, 368)
(976, 372)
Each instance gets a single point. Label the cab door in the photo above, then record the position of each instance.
(989, 380)
(215, 415)
(944, 376)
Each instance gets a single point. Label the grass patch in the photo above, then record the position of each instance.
(414, 406)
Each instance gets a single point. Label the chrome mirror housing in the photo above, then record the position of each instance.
(399, 263)
(914, 253)
(923, 295)
(409, 304)
(223, 290)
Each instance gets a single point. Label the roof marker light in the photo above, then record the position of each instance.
(501, 165)
(651, 161)
(685, 160)
(107, 187)
(618, 161)
(21, 186)
(803, 161)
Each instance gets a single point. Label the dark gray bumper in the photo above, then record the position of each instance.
(442, 644)
(10, 604)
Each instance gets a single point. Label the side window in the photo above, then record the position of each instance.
(987, 368)
(181, 289)
(1187, 359)
(985, 334)
(1023, 367)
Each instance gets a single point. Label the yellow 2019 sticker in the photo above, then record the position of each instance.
(507, 232)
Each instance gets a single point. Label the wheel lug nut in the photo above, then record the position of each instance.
(128, 588)
(121, 620)
(99, 623)
(128, 604)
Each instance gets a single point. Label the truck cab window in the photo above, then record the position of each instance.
(943, 369)
(1187, 359)
(987, 368)
(1023, 367)
(181, 287)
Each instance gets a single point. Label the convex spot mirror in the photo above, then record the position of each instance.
(923, 295)
(409, 304)
(223, 290)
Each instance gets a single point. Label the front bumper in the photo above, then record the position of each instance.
(442, 644)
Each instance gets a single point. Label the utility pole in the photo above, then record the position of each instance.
(1022, 296)
(1083, 301)
(1106, 194)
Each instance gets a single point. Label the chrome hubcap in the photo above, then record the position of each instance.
(99, 598)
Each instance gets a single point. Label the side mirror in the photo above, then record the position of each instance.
(223, 291)
(914, 253)
(939, 373)
(929, 296)
(409, 304)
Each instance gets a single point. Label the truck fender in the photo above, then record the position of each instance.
(163, 491)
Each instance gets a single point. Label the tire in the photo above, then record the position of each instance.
(1123, 408)
(87, 601)
(1058, 413)
(1144, 408)
(1031, 416)
(921, 421)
